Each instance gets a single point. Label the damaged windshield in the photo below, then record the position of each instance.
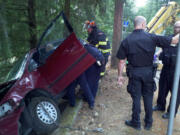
(17, 70)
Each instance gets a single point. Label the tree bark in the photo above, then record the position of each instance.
(67, 13)
(117, 31)
(32, 23)
(67, 8)
(5, 45)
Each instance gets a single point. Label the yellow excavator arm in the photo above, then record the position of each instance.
(165, 16)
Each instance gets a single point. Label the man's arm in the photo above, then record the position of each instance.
(121, 65)
(165, 41)
(121, 55)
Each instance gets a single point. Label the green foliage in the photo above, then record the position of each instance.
(149, 11)
(151, 8)
(178, 1)
(101, 11)
(15, 33)
(128, 15)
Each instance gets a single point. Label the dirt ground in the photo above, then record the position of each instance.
(112, 108)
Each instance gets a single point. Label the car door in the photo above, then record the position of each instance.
(66, 62)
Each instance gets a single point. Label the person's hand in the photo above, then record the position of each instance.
(175, 39)
(120, 80)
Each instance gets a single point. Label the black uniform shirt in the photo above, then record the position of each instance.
(168, 57)
(139, 47)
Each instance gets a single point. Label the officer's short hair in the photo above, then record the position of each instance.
(178, 22)
(139, 20)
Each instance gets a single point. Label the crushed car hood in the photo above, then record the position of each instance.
(4, 88)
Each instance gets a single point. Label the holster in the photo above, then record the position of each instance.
(129, 70)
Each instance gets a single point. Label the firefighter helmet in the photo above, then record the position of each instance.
(90, 24)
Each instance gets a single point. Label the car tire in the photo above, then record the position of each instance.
(45, 115)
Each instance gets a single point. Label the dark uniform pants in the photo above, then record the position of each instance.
(93, 76)
(178, 94)
(82, 81)
(71, 92)
(141, 83)
(164, 88)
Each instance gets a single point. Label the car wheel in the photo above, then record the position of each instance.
(45, 114)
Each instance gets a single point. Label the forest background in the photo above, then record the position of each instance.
(23, 21)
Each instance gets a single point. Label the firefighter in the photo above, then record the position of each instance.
(97, 38)
(139, 48)
(168, 57)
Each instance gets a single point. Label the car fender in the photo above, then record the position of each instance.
(9, 124)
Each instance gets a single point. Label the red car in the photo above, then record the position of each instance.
(28, 98)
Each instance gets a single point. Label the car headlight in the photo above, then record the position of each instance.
(5, 109)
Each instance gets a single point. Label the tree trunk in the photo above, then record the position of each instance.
(32, 23)
(67, 13)
(67, 8)
(117, 31)
(5, 40)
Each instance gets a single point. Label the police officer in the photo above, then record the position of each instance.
(139, 48)
(168, 57)
(97, 38)
(172, 53)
